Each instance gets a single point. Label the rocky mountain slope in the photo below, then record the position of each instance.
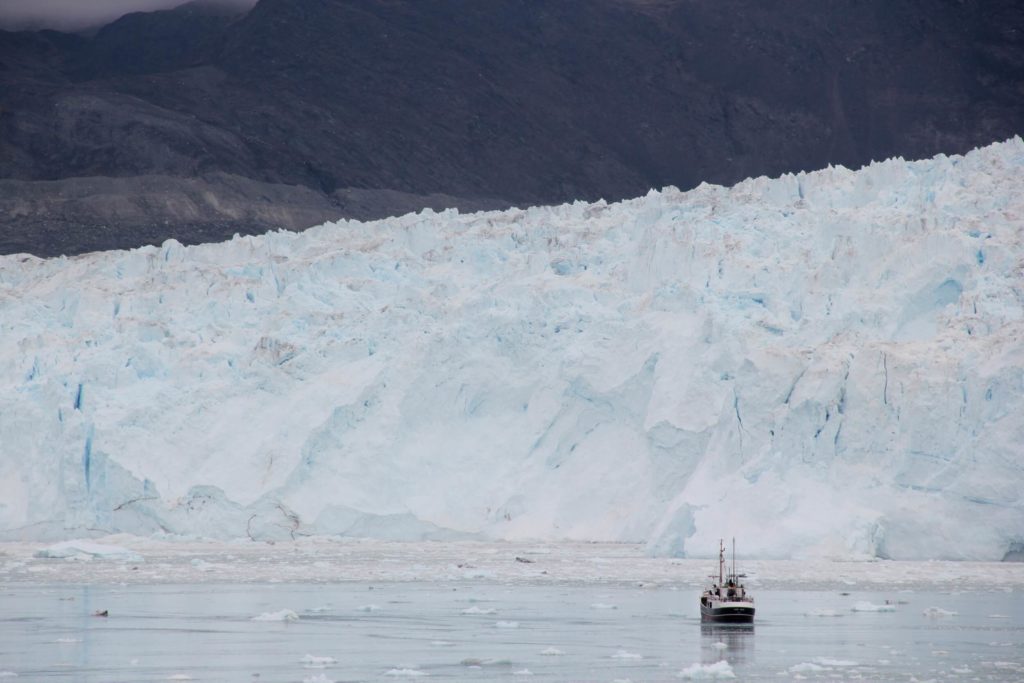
(198, 122)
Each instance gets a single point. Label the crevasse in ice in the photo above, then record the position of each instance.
(822, 364)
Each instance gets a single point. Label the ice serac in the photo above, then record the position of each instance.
(826, 364)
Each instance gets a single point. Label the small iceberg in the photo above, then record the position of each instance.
(552, 652)
(707, 672)
(406, 673)
(622, 654)
(865, 606)
(282, 615)
(479, 610)
(81, 549)
(828, 661)
(938, 613)
(318, 678)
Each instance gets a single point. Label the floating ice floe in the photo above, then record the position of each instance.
(602, 605)
(707, 671)
(552, 652)
(407, 673)
(938, 613)
(506, 624)
(479, 610)
(281, 615)
(522, 672)
(87, 550)
(622, 654)
(823, 613)
(318, 678)
(478, 662)
(314, 662)
(806, 667)
(178, 677)
(829, 661)
(64, 641)
(368, 608)
(319, 610)
(865, 606)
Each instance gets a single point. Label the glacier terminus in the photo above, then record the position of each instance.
(827, 364)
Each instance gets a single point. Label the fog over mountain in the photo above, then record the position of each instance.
(205, 120)
(72, 15)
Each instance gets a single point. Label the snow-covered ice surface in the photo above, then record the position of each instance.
(326, 560)
(205, 632)
(826, 364)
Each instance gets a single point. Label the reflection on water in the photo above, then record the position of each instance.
(733, 643)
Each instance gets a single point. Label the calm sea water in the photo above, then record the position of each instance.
(206, 632)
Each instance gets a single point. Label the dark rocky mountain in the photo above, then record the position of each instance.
(199, 122)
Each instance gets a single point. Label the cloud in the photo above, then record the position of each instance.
(69, 15)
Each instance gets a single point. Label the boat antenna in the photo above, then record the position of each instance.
(734, 557)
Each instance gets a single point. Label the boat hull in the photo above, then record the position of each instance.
(727, 614)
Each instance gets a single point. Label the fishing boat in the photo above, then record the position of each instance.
(726, 601)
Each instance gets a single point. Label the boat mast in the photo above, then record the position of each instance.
(733, 557)
(721, 560)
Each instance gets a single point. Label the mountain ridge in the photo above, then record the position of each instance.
(488, 105)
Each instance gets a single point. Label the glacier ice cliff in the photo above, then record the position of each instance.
(822, 364)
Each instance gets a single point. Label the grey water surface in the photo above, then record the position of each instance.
(478, 632)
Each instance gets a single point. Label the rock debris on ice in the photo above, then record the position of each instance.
(837, 352)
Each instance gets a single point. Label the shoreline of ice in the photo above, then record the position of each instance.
(338, 560)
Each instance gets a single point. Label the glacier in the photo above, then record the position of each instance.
(826, 364)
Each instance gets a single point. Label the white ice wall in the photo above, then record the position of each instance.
(823, 364)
